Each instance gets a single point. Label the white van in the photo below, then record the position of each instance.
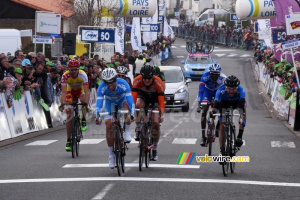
(203, 18)
(10, 41)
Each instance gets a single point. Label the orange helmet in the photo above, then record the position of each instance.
(74, 64)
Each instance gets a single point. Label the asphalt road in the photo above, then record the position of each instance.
(29, 170)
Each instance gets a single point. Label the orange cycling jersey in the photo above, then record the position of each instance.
(74, 85)
(157, 86)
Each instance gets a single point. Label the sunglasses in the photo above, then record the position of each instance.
(109, 83)
(74, 70)
(231, 89)
(121, 76)
(147, 78)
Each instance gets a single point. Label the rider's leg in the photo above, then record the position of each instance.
(155, 134)
(140, 104)
(203, 125)
(84, 111)
(110, 142)
(127, 136)
(239, 140)
(69, 127)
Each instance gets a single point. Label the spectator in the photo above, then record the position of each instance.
(33, 59)
(19, 55)
(49, 65)
(3, 67)
(17, 63)
(40, 57)
(139, 63)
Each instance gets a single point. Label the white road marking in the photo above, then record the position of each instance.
(244, 143)
(219, 50)
(283, 144)
(245, 55)
(174, 166)
(220, 55)
(144, 179)
(91, 141)
(103, 192)
(133, 141)
(174, 47)
(183, 46)
(184, 141)
(232, 55)
(180, 56)
(41, 143)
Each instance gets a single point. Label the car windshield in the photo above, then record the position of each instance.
(173, 75)
(198, 60)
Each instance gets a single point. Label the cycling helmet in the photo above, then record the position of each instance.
(74, 64)
(147, 71)
(122, 70)
(109, 75)
(232, 81)
(215, 68)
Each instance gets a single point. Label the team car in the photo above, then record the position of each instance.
(177, 91)
(196, 65)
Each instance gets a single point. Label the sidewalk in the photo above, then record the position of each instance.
(267, 99)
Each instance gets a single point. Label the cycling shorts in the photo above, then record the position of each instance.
(226, 105)
(72, 95)
(149, 98)
(208, 95)
(110, 106)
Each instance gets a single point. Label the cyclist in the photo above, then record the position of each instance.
(116, 92)
(231, 94)
(74, 83)
(122, 73)
(209, 84)
(159, 73)
(149, 89)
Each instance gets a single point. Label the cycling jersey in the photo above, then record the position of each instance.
(122, 93)
(223, 101)
(156, 88)
(208, 88)
(74, 85)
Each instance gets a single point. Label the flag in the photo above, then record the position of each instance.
(147, 36)
(119, 35)
(136, 34)
(154, 21)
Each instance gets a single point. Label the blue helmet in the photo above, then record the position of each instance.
(215, 68)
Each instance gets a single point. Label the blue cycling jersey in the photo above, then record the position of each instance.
(122, 91)
(223, 95)
(207, 84)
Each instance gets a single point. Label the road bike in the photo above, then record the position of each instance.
(76, 133)
(229, 139)
(145, 135)
(120, 146)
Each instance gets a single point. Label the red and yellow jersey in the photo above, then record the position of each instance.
(74, 83)
(157, 86)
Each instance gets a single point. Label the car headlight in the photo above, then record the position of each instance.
(181, 90)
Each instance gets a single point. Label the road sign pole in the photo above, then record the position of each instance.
(44, 48)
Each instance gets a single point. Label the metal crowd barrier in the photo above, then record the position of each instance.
(219, 38)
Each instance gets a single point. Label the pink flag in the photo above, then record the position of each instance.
(284, 7)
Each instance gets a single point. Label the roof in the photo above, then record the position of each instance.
(63, 7)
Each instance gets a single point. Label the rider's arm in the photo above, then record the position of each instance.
(129, 99)
(160, 88)
(201, 89)
(135, 87)
(100, 97)
(63, 93)
(242, 100)
(218, 99)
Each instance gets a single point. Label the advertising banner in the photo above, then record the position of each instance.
(48, 22)
(292, 24)
(131, 8)
(4, 127)
(98, 35)
(154, 21)
(147, 36)
(120, 32)
(284, 8)
(136, 33)
(255, 9)
(174, 23)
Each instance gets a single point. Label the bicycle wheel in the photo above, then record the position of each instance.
(117, 149)
(73, 138)
(123, 153)
(148, 150)
(233, 149)
(142, 147)
(78, 136)
(225, 165)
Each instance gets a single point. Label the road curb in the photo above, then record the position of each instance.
(30, 135)
(269, 105)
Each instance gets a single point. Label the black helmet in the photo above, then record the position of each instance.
(141, 57)
(232, 81)
(147, 71)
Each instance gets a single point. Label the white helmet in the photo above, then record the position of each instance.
(109, 75)
(122, 69)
